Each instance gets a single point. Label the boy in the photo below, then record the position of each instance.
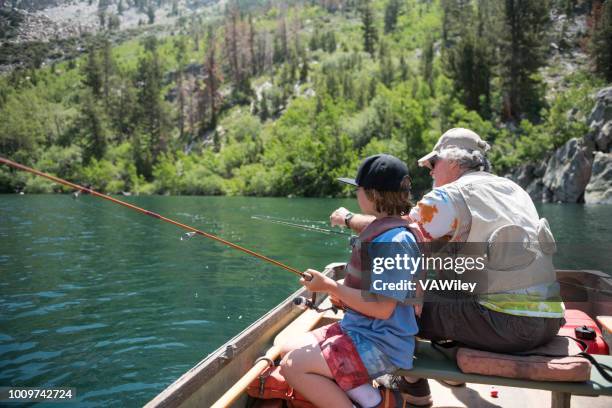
(335, 364)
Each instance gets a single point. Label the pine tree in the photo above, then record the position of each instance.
(293, 69)
(469, 65)
(92, 125)
(568, 8)
(304, 70)
(370, 34)
(601, 41)
(456, 14)
(262, 52)
(283, 41)
(348, 86)
(522, 54)
(181, 99)
(392, 10)
(108, 69)
(151, 13)
(180, 49)
(427, 62)
(331, 84)
(330, 44)
(102, 18)
(152, 115)
(216, 141)
(404, 68)
(313, 43)
(123, 105)
(264, 111)
(113, 22)
(490, 21)
(93, 72)
(194, 30)
(372, 88)
(233, 50)
(387, 70)
(284, 79)
(296, 28)
(210, 98)
(253, 58)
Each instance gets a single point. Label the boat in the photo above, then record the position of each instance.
(220, 379)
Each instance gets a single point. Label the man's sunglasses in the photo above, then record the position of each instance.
(433, 161)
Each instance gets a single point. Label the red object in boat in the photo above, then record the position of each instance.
(494, 394)
(577, 319)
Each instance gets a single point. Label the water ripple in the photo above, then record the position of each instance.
(76, 329)
(191, 322)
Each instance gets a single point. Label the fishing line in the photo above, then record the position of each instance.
(306, 227)
(190, 229)
(293, 219)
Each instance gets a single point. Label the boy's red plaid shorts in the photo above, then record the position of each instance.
(341, 356)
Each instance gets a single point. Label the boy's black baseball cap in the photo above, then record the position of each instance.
(381, 172)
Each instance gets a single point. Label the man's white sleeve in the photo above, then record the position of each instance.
(436, 214)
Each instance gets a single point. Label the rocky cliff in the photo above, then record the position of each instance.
(580, 171)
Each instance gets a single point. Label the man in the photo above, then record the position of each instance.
(522, 308)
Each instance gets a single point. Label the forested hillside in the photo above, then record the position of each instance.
(266, 97)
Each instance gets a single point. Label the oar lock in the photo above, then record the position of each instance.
(229, 352)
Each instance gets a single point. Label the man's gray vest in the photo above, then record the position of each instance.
(500, 217)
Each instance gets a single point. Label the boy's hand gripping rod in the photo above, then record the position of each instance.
(154, 215)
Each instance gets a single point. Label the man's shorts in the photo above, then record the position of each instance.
(461, 317)
(351, 358)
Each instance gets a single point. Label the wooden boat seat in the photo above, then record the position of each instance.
(431, 363)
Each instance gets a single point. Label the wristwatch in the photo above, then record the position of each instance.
(347, 219)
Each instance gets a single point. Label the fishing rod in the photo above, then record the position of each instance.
(306, 227)
(191, 230)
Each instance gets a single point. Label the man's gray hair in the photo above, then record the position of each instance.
(467, 159)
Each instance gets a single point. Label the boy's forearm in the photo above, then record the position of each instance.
(377, 308)
(360, 221)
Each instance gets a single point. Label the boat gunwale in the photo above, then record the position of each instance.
(188, 383)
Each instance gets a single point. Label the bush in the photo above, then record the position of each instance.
(566, 118)
(252, 179)
(64, 162)
(39, 185)
(200, 180)
(167, 175)
(103, 176)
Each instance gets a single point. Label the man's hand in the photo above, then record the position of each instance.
(318, 282)
(420, 295)
(337, 217)
(418, 309)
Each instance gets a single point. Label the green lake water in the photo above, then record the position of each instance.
(113, 303)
